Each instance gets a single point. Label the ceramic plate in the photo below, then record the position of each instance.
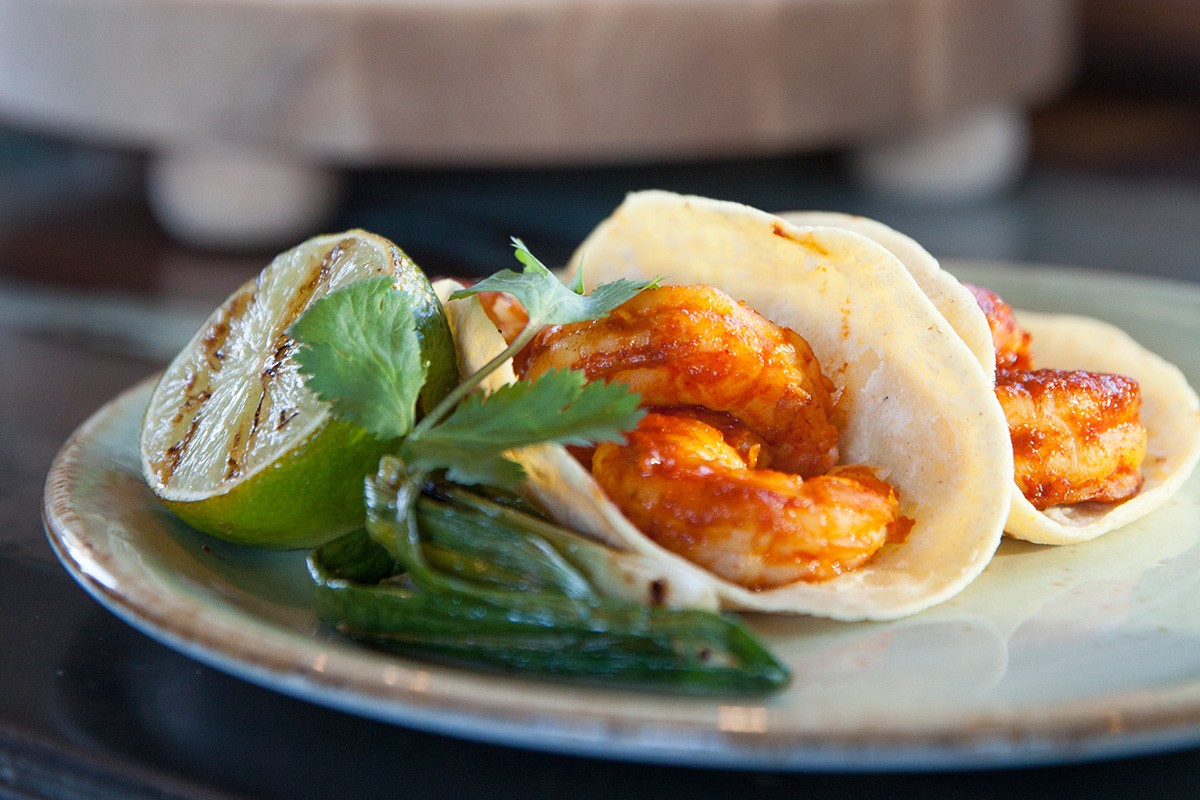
(1052, 655)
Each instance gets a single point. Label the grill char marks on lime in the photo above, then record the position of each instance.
(213, 356)
(234, 441)
(279, 370)
(198, 390)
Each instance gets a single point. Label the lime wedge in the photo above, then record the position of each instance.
(235, 444)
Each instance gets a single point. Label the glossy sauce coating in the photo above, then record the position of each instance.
(684, 485)
(733, 468)
(505, 312)
(1077, 436)
(696, 346)
(1009, 339)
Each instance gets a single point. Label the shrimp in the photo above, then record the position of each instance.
(1009, 339)
(696, 346)
(690, 490)
(1077, 436)
(727, 469)
(505, 312)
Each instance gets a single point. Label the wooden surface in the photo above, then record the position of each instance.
(520, 81)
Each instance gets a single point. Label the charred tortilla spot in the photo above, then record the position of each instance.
(658, 592)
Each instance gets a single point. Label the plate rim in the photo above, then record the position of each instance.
(1093, 733)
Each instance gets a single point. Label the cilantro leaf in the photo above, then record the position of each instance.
(360, 351)
(560, 406)
(546, 299)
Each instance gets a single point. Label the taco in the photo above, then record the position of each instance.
(913, 403)
(1170, 413)
(1169, 406)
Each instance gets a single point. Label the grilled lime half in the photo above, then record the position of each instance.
(235, 444)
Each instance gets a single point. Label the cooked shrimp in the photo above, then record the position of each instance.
(748, 444)
(1010, 340)
(1076, 435)
(696, 346)
(681, 483)
(505, 312)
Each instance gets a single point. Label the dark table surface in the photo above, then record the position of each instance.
(93, 297)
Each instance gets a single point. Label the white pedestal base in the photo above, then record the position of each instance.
(975, 155)
(226, 197)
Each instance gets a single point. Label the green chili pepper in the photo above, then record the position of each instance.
(485, 584)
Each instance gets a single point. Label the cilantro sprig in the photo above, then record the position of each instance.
(441, 572)
(547, 300)
(469, 444)
(360, 351)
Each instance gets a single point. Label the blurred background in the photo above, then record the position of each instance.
(154, 154)
(174, 147)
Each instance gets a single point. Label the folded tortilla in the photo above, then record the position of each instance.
(914, 402)
(954, 301)
(1169, 405)
(1170, 412)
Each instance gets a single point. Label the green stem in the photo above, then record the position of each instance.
(456, 395)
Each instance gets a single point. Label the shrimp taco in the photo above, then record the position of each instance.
(887, 418)
(1104, 430)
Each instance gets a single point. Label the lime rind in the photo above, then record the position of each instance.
(235, 444)
(311, 495)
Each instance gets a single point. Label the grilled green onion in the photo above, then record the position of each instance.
(475, 582)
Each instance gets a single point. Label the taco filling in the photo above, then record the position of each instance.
(735, 468)
(1103, 431)
(807, 449)
(1077, 435)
